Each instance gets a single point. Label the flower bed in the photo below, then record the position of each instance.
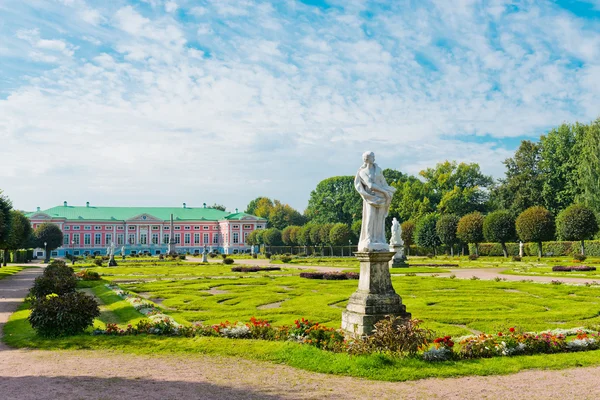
(434, 265)
(333, 276)
(569, 268)
(254, 269)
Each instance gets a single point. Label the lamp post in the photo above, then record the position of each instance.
(46, 252)
(349, 248)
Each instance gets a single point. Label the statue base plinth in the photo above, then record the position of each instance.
(112, 262)
(375, 297)
(399, 259)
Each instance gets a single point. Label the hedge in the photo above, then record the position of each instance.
(592, 248)
(19, 256)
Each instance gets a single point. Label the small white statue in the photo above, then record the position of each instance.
(123, 250)
(396, 239)
(521, 249)
(112, 249)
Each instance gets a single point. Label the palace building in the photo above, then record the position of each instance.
(90, 230)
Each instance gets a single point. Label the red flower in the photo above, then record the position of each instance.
(511, 330)
(499, 333)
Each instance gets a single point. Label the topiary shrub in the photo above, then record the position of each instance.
(516, 258)
(228, 261)
(254, 255)
(286, 259)
(473, 257)
(98, 261)
(561, 268)
(535, 224)
(499, 227)
(212, 255)
(182, 256)
(254, 269)
(425, 232)
(577, 222)
(470, 229)
(268, 254)
(446, 230)
(88, 275)
(312, 275)
(68, 314)
(223, 256)
(161, 257)
(408, 234)
(579, 257)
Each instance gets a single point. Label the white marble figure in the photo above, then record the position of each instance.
(377, 196)
(123, 250)
(396, 239)
(112, 249)
(521, 249)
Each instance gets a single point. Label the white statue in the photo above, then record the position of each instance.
(396, 239)
(521, 252)
(377, 196)
(123, 250)
(112, 249)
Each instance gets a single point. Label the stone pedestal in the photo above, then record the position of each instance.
(112, 262)
(375, 297)
(399, 259)
(205, 256)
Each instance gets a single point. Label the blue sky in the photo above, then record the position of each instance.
(162, 102)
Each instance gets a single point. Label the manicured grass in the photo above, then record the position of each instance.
(211, 293)
(532, 270)
(12, 269)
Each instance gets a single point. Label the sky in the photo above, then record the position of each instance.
(161, 102)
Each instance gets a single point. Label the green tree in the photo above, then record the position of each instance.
(408, 234)
(294, 232)
(499, 227)
(262, 207)
(252, 206)
(20, 233)
(535, 224)
(339, 235)
(281, 215)
(522, 187)
(50, 234)
(470, 229)
(335, 200)
(412, 200)
(446, 230)
(5, 221)
(355, 230)
(425, 232)
(324, 237)
(303, 236)
(286, 236)
(272, 237)
(558, 164)
(588, 161)
(577, 222)
(314, 231)
(218, 207)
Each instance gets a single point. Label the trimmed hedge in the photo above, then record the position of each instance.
(592, 248)
(20, 256)
(254, 269)
(331, 276)
(570, 268)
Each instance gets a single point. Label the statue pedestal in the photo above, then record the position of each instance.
(112, 262)
(399, 259)
(375, 297)
(205, 256)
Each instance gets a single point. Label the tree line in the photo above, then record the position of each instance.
(560, 170)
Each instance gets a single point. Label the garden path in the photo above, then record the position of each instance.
(493, 273)
(38, 375)
(262, 262)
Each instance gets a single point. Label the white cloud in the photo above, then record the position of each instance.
(171, 6)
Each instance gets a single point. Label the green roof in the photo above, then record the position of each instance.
(125, 213)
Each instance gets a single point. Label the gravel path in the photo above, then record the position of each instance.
(39, 375)
(493, 273)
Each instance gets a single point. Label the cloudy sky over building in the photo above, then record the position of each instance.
(163, 102)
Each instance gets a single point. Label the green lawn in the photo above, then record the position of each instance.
(11, 270)
(211, 293)
(533, 270)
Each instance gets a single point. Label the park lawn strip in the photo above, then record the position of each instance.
(113, 309)
(547, 271)
(18, 333)
(12, 269)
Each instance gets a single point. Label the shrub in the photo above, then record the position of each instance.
(182, 256)
(223, 256)
(335, 276)
(254, 269)
(535, 224)
(286, 259)
(161, 256)
(516, 258)
(228, 261)
(254, 255)
(408, 234)
(499, 227)
(98, 261)
(572, 268)
(312, 275)
(58, 279)
(331, 276)
(268, 254)
(88, 275)
(577, 222)
(470, 229)
(394, 336)
(425, 232)
(579, 257)
(473, 257)
(212, 255)
(69, 314)
(446, 230)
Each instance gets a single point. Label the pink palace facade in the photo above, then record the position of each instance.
(89, 230)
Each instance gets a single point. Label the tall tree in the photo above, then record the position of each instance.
(446, 230)
(335, 200)
(524, 181)
(50, 234)
(425, 232)
(588, 150)
(470, 229)
(499, 227)
(412, 200)
(282, 215)
(251, 208)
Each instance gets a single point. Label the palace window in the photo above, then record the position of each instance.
(187, 228)
(67, 228)
(76, 228)
(245, 237)
(216, 238)
(196, 238)
(87, 227)
(132, 227)
(187, 238)
(258, 226)
(108, 238)
(120, 228)
(166, 228)
(206, 238)
(87, 239)
(216, 228)
(236, 237)
(197, 228)
(155, 238)
(177, 228)
(247, 226)
(66, 239)
(178, 238)
(165, 238)
(205, 228)
(236, 227)
(132, 238)
(76, 238)
(97, 228)
(144, 238)
(98, 239)
(121, 239)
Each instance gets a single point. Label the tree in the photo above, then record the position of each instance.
(588, 161)
(324, 236)
(446, 230)
(499, 227)
(577, 222)
(339, 234)
(272, 237)
(355, 230)
(5, 221)
(412, 200)
(535, 224)
(408, 234)
(262, 207)
(50, 234)
(251, 208)
(524, 182)
(218, 207)
(335, 200)
(19, 235)
(294, 232)
(470, 229)
(425, 233)
(313, 233)
(281, 215)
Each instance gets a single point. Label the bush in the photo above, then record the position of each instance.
(254, 269)
(577, 222)
(182, 256)
(561, 268)
(88, 275)
(425, 232)
(268, 254)
(98, 261)
(161, 257)
(312, 275)
(228, 261)
(332, 276)
(212, 255)
(446, 230)
(223, 256)
(395, 337)
(286, 259)
(579, 257)
(535, 224)
(254, 255)
(516, 258)
(57, 278)
(473, 257)
(69, 314)
(499, 227)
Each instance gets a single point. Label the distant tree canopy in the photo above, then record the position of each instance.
(277, 214)
(218, 207)
(335, 200)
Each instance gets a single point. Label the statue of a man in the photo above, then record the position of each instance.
(396, 238)
(377, 196)
(112, 249)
